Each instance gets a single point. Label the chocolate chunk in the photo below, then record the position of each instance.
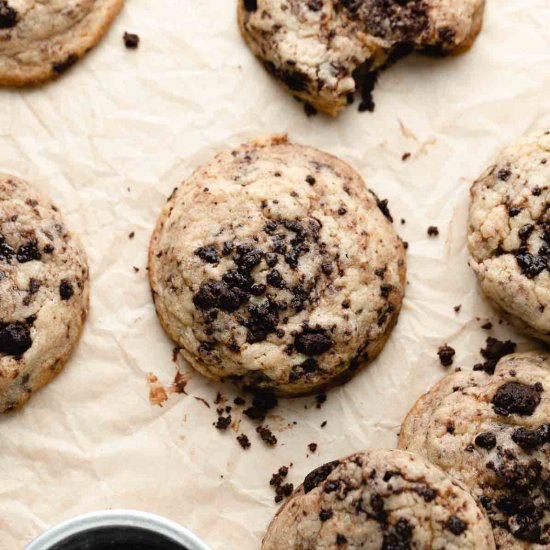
(529, 439)
(217, 294)
(28, 252)
(8, 16)
(531, 265)
(494, 351)
(15, 339)
(313, 342)
(399, 537)
(515, 398)
(455, 525)
(66, 290)
(208, 254)
(62, 66)
(340, 539)
(317, 476)
(131, 40)
(262, 403)
(446, 355)
(274, 278)
(486, 440)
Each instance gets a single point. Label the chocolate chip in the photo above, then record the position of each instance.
(250, 5)
(15, 339)
(66, 290)
(8, 16)
(455, 525)
(515, 398)
(446, 355)
(486, 440)
(313, 342)
(131, 40)
(317, 476)
(28, 252)
(62, 66)
(208, 254)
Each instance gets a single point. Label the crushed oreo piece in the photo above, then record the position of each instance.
(317, 476)
(244, 442)
(266, 435)
(446, 355)
(15, 339)
(516, 398)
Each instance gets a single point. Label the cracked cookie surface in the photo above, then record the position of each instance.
(492, 434)
(384, 499)
(323, 51)
(43, 291)
(509, 233)
(275, 267)
(41, 40)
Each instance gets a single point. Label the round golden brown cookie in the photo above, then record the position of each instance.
(275, 267)
(492, 434)
(41, 40)
(323, 51)
(43, 291)
(379, 499)
(509, 234)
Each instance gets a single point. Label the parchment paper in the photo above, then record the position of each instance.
(110, 140)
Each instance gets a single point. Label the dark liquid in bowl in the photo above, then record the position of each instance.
(118, 538)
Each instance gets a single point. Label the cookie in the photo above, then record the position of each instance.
(275, 267)
(43, 291)
(41, 40)
(492, 434)
(379, 499)
(323, 51)
(509, 234)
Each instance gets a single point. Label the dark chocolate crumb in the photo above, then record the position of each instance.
(266, 435)
(433, 231)
(244, 442)
(131, 40)
(446, 355)
(223, 422)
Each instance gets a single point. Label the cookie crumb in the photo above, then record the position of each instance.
(244, 442)
(131, 40)
(446, 355)
(266, 435)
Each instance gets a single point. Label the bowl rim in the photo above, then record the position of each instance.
(112, 518)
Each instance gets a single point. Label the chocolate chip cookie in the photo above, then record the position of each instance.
(492, 434)
(275, 267)
(43, 291)
(379, 499)
(323, 51)
(41, 40)
(509, 233)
